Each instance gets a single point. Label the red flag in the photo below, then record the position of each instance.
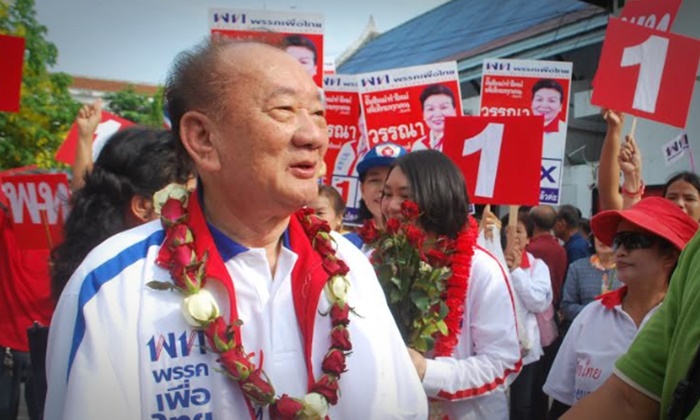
(109, 125)
(11, 61)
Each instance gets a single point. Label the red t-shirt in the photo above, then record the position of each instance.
(547, 248)
(25, 288)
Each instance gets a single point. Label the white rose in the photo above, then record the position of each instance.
(315, 406)
(337, 289)
(176, 191)
(200, 308)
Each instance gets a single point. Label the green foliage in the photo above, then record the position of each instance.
(137, 107)
(47, 110)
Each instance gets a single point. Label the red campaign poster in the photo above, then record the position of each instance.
(500, 157)
(654, 14)
(9, 172)
(39, 207)
(109, 125)
(347, 137)
(647, 73)
(408, 106)
(11, 62)
(300, 34)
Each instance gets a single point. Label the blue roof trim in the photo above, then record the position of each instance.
(109, 270)
(452, 29)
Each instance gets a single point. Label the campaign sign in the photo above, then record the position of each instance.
(531, 88)
(654, 14)
(408, 106)
(647, 73)
(110, 124)
(347, 140)
(300, 34)
(11, 61)
(39, 207)
(500, 157)
(675, 149)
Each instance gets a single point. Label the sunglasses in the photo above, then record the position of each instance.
(633, 240)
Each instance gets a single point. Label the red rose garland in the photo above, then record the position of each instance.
(457, 288)
(178, 256)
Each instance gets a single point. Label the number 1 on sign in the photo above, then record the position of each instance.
(650, 55)
(488, 142)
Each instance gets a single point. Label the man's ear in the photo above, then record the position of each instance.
(196, 135)
(142, 210)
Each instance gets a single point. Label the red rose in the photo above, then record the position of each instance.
(257, 389)
(324, 246)
(410, 210)
(437, 258)
(340, 338)
(173, 212)
(237, 365)
(183, 256)
(305, 212)
(220, 335)
(415, 236)
(368, 232)
(328, 387)
(393, 226)
(334, 266)
(178, 235)
(340, 315)
(313, 225)
(285, 408)
(334, 362)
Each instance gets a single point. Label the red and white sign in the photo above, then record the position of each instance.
(109, 125)
(39, 208)
(11, 62)
(532, 87)
(653, 14)
(408, 106)
(300, 34)
(647, 73)
(500, 157)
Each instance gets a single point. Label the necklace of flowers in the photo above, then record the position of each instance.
(199, 307)
(456, 288)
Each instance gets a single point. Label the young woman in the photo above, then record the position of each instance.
(117, 194)
(329, 206)
(647, 239)
(469, 381)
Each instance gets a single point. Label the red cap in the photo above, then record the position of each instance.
(656, 215)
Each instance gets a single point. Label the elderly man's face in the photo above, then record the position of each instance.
(272, 136)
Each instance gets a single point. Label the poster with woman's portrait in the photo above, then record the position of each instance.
(539, 88)
(408, 106)
(300, 34)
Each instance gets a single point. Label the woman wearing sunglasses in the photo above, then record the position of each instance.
(647, 239)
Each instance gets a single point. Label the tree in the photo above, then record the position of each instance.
(46, 108)
(137, 107)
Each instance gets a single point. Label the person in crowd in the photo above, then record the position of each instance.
(544, 245)
(117, 194)
(437, 102)
(239, 258)
(648, 239)
(25, 298)
(568, 230)
(683, 188)
(588, 278)
(304, 51)
(329, 206)
(372, 171)
(586, 231)
(470, 380)
(529, 277)
(89, 117)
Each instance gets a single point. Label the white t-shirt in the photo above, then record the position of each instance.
(600, 334)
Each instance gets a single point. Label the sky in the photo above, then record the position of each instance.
(136, 40)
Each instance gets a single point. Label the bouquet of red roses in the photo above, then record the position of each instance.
(413, 269)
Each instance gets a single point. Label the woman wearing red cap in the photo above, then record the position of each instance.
(647, 239)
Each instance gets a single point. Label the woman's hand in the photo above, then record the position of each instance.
(418, 362)
(89, 117)
(489, 223)
(514, 250)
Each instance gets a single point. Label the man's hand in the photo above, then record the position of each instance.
(89, 117)
(419, 362)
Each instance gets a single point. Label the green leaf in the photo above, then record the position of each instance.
(442, 327)
(421, 300)
(160, 285)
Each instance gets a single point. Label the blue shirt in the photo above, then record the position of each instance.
(576, 248)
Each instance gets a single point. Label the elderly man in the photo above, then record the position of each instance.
(122, 347)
